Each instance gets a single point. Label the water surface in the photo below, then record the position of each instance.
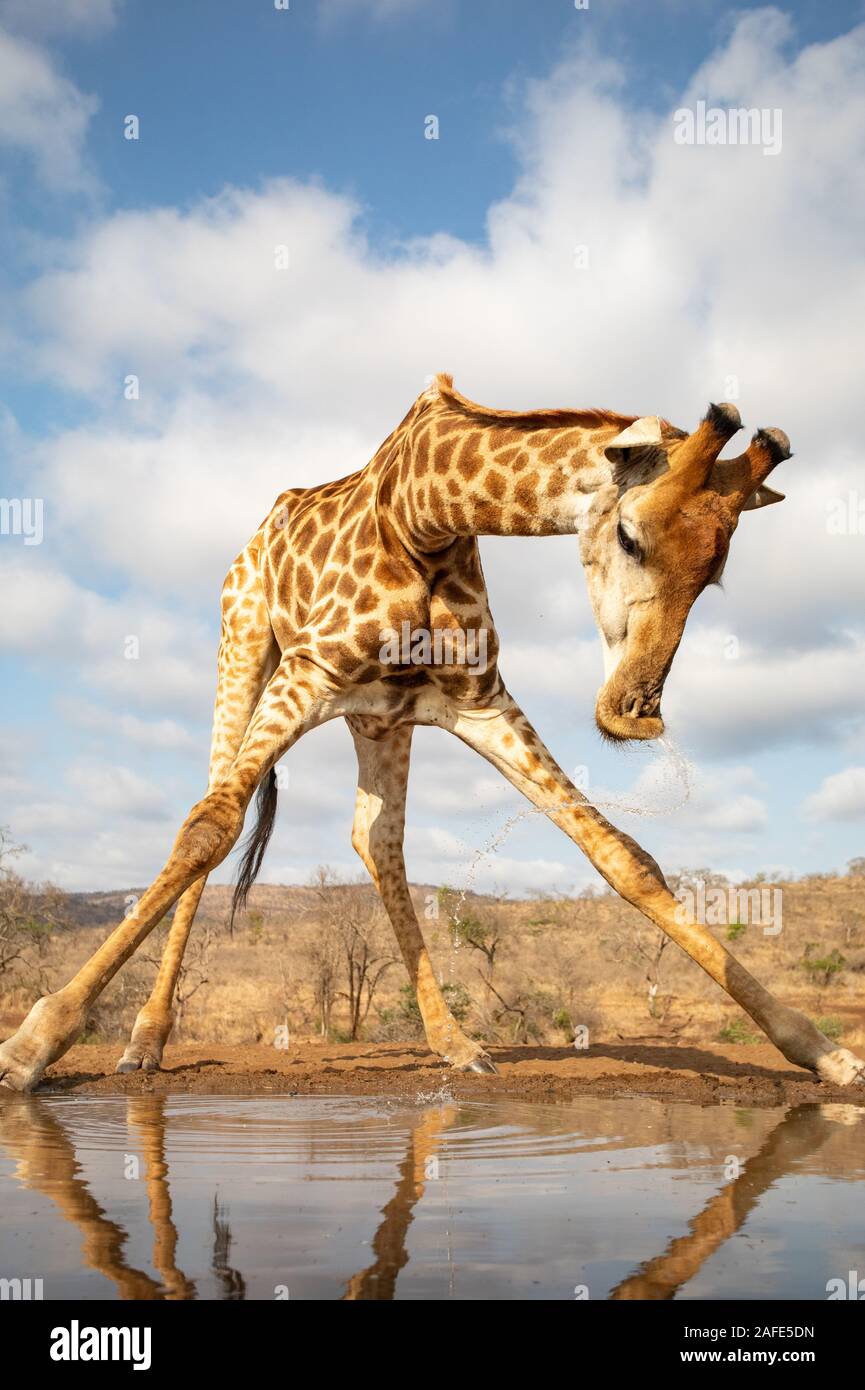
(211, 1197)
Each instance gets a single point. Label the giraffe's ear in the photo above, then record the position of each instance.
(636, 446)
(762, 497)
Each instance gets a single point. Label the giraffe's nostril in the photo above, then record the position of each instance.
(639, 705)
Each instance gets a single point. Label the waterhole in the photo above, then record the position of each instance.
(210, 1197)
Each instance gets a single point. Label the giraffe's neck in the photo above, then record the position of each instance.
(460, 477)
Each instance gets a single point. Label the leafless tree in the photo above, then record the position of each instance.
(29, 913)
(323, 956)
(193, 972)
(481, 931)
(645, 945)
(351, 917)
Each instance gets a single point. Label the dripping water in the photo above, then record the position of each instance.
(675, 778)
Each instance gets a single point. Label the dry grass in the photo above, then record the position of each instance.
(513, 970)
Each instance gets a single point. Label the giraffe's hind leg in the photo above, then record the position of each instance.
(377, 835)
(155, 1018)
(248, 654)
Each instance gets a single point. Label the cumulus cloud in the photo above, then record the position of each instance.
(82, 18)
(253, 378)
(840, 797)
(764, 697)
(111, 788)
(437, 856)
(166, 734)
(143, 655)
(43, 115)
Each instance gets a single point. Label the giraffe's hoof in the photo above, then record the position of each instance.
(841, 1068)
(145, 1047)
(134, 1059)
(16, 1074)
(483, 1064)
(51, 1027)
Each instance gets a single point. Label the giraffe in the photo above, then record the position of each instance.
(394, 546)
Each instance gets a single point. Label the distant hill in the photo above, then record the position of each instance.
(273, 902)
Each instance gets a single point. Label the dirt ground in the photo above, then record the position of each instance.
(712, 1074)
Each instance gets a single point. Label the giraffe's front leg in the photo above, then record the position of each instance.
(296, 700)
(56, 1021)
(506, 738)
(377, 835)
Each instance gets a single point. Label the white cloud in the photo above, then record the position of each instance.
(253, 379)
(80, 18)
(703, 798)
(840, 797)
(435, 855)
(107, 787)
(43, 115)
(764, 697)
(61, 626)
(191, 491)
(143, 733)
(689, 815)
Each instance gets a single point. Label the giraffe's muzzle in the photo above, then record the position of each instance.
(629, 709)
(636, 719)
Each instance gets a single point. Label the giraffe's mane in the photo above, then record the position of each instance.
(529, 419)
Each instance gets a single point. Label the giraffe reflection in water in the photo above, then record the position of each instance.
(34, 1137)
(389, 1244)
(798, 1135)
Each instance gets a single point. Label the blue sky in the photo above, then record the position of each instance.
(235, 93)
(409, 256)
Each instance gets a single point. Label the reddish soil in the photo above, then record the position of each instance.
(708, 1074)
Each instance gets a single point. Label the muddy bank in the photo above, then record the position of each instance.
(708, 1074)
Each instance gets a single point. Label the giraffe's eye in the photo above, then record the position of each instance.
(628, 544)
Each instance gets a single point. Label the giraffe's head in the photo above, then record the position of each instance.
(654, 536)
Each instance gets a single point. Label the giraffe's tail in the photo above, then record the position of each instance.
(255, 843)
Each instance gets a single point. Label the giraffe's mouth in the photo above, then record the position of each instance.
(637, 717)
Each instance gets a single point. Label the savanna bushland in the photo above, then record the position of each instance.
(321, 961)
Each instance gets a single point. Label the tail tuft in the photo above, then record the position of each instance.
(256, 843)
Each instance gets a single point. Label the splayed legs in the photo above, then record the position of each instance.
(506, 738)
